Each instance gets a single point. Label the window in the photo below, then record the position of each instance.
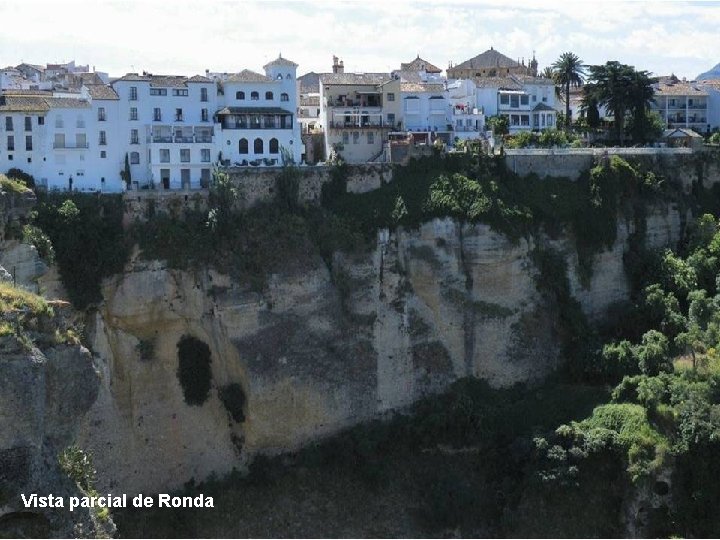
(536, 119)
(28, 143)
(550, 120)
(284, 97)
(101, 114)
(524, 120)
(180, 92)
(269, 95)
(371, 137)
(534, 98)
(133, 93)
(10, 143)
(178, 115)
(41, 120)
(514, 100)
(258, 145)
(205, 155)
(203, 94)
(504, 99)
(545, 98)
(346, 138)
(134, 139)
(204, 115)
(164, 155)
(80, 122)
(133, 113)
(103, 154)
(243, 146)
(158, 91)
(184, 155)
(391, 96)
(254, 96)
(524, 100)
(356, 137)
(8, 123)
(59, 140)
(28, 123)
(274, 146)
(134, 158)
(81, 140)
(391, 119)
(103, 139)
(157, 114)
(59, 123)
(240, 95)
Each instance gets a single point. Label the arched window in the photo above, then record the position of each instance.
(284, 97)
(288, 77)
(269, 95)
(243, 146)
(134, 158)
(254, 96)
(258, 146)
(240, 95)
(279, 77)
(274, 146)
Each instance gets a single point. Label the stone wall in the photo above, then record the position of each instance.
(682, 163)
(256, 185)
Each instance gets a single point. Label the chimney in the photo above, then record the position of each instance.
(338, 66)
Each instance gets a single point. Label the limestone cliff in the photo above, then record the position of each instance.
(321, 348)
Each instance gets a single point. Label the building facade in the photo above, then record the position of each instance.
(357, 112)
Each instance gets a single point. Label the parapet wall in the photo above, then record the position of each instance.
(689, 166)
(256, 185)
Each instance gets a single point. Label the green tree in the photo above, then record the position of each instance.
(462, 198)
(125, 174)
(568, 71)
(223, 197)
(500, 125)
(622, 90)
(644, 126)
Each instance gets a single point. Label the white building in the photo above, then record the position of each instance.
(466, 118)
(165, 126)
(682, 104)
(56, 140)
(528, 102)
(257, 117)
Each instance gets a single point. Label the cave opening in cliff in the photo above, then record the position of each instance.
(194, 371)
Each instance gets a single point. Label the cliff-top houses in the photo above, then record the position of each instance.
(75, 128)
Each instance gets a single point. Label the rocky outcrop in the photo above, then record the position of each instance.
(43, 394)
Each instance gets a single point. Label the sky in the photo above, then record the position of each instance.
(187, 37)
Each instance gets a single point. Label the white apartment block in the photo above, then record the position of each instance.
(171, 130)
(165, 126)
(528, 102)
(682, 104)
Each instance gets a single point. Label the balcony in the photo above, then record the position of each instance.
(70, 146)
(362, 125)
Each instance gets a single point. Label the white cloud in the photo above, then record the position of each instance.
(373, 35)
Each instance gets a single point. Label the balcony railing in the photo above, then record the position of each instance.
(70, 146)
(183, 139)
(361, 125)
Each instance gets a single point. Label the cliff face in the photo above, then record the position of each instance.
(43, 394)
(323, 349)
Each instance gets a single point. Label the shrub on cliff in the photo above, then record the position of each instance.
(88, 239)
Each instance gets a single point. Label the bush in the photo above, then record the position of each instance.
(35, 236)
(25, 178)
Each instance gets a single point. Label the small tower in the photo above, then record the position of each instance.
(338, 65)
(533, 66)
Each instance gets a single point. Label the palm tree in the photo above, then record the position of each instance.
(548, 73)
(568, 71)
